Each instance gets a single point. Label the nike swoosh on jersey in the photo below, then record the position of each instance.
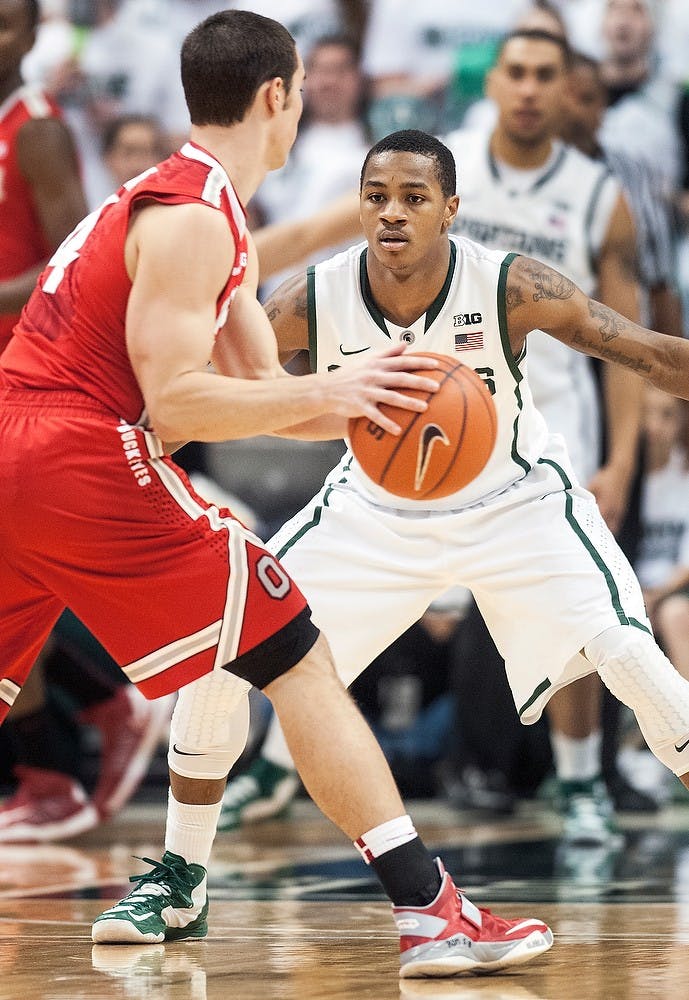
(682, 747)
(184, 752)
(359, 350)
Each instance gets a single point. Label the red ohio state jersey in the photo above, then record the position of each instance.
(72, 331)
(23, 243)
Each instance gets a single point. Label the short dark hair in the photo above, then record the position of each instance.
(412, 140)
(227, 57)
(340, 40)
(113, 128)
(537, 35)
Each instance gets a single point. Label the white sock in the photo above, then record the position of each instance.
(576, 759)
(190, 830)
(385, 837)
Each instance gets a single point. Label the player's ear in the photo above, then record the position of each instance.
(451, 209)
(274, 94)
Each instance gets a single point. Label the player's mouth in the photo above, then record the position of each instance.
(527, 117)
(392, 240)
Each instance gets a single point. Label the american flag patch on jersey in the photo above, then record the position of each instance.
(469, 341)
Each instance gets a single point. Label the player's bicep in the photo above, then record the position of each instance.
(537, 297)
(181, 256)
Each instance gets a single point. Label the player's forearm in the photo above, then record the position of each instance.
(596, 330)
(281, 245)
(623, 403)
(202, 406)
(329, 427)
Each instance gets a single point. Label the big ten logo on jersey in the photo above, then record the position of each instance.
(467, 319)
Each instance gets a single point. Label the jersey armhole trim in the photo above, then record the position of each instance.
(509, 356)
(311, 316)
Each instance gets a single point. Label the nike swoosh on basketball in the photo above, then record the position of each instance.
(359, 350)
(184, 752)
(682, 747)
(430, 436)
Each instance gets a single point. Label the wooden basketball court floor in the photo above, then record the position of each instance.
(295, 914)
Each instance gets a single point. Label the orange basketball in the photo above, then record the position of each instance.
(439, 451)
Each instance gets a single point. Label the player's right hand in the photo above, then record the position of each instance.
(361, 387)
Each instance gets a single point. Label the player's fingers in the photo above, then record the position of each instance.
(393, 350)
(401, 361)
(407, 380)
(379, 418)
(400, 399)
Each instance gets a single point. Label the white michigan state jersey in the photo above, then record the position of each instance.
(466, 321)
(559, 215)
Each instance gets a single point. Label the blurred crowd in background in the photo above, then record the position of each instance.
(437, 697)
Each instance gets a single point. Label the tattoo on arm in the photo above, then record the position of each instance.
(272, 310)
(623, 358)
(301, 305)
(550, 284)
(513, 298)
(611, 323)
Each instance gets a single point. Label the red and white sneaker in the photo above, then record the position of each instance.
(47, 806)
(451, 935)
(130, 728)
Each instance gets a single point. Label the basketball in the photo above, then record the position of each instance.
(439, 451)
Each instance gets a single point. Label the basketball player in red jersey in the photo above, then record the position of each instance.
(41, 197)
(110, 359)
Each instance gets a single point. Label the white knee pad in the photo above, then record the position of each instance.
(209, 726)
(638, 673)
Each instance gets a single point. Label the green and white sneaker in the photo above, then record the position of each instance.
(588, 818)
(166, 904)
(264, 791)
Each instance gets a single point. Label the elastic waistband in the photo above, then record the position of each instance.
(53, 399)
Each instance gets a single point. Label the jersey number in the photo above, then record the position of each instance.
(68, 251)
(488, 376)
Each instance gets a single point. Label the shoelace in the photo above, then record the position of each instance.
(166, 875)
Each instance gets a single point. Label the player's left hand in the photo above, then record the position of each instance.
(610, 486)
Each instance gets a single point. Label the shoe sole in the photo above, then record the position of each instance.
(18, 833)
(117, 931)
(529, 947)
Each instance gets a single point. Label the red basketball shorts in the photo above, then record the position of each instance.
(96, 518)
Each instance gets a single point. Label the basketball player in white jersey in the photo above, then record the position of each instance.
(522, 189)
(556, 591)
